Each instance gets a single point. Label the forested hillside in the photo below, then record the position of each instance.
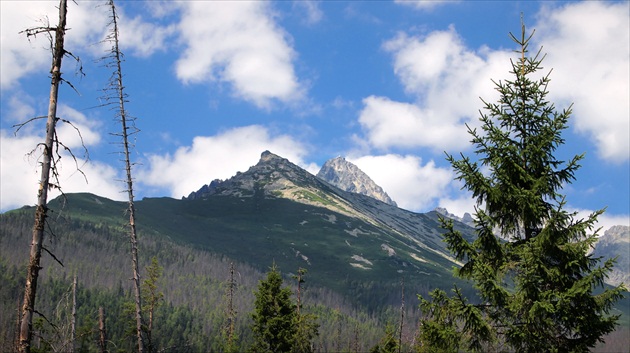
(194, 284)
(87, 237)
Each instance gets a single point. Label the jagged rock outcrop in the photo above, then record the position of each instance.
(615, 242)
(466, 219)
(271, 176)
(347, 176)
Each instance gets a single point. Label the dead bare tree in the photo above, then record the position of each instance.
(47, 164)
(73, 324)
(402, 313)
(230, 344)
(116, 97)
(102, 333)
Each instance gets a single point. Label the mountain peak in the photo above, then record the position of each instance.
(347, 176)
(268, 156)
(271, 174)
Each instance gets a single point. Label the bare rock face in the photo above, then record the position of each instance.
(466, 219)
(616, 243)
(348, 177)
(269, 177)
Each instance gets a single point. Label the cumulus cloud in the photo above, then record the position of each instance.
(588, 46)
(459, 205)
(423, 4)
(604, 221)
(217, 157)
(19, 56)
(239, 43)
(413, 185)
(21, 158)
(141, 37)
(87, 24)
(446, 79)
(311, 9)
(397, 124)
(76, 130)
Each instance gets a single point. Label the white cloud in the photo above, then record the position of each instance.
(604, 221)
(19, 56)
(87, 23)
(311, 9)
(406, 180)
(446, 79)
(141, 37)
(20, 108)
(217, 157)
(17, 171)
(460, 205)
(79, 131)
(20, 173)
(239, 43)
(20, 156)
(588, 46)
(423, 4)
(396, 124)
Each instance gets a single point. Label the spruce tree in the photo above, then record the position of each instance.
(274, 315)
(388, 343)
(540, 289)
(153, 298)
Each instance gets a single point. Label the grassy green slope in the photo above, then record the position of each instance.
(336, 249)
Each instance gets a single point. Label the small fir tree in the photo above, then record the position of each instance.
(388, 343)
(536, 279)
(274, 315)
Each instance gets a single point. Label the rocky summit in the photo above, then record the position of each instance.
(615, 243)
(348, 177)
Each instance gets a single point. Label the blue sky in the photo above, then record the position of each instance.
(389, 85)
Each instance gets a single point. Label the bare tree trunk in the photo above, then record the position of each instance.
(30, 290)
(124, 120)
(230, 309)
(73, 323)
(102, 334)
(356, 338)
(402, 313)
(16, 331)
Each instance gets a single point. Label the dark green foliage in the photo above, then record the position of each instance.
(274, 315)
(152, 297)
(537, 280)
(388, 343)
(305, 333)
(192, 314)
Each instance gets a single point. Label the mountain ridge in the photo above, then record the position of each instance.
(347, 176)
(275, 176)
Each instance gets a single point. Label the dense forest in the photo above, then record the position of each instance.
(194, 311)
(194, 283)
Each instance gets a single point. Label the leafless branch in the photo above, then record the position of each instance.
(52, 255)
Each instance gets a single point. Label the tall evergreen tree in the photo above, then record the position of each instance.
(153, 298)
(530, 261)
(274, 315)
